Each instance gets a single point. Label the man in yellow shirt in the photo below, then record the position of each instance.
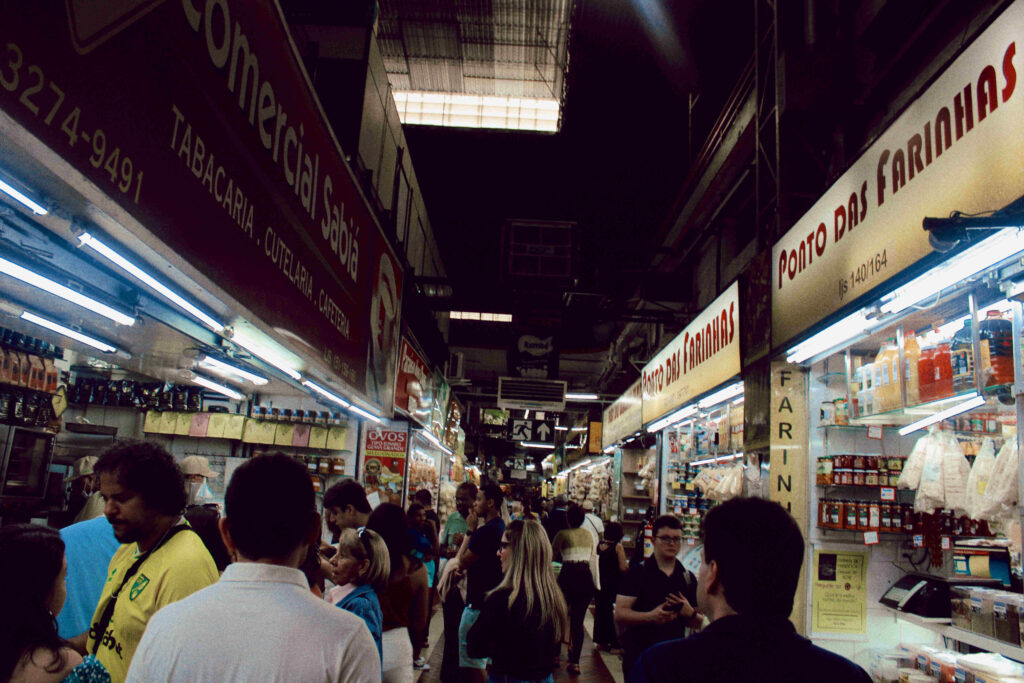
(161, 560)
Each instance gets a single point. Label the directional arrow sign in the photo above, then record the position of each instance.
(522, 430)
(545, 432)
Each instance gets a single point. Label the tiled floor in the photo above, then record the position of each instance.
(595, 667)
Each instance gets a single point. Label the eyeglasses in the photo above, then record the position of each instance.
(670, 540)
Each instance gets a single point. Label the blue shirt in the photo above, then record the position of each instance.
(88, 545)
(363, 602)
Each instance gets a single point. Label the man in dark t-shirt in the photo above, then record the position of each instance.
(752, 554)
(479, 560)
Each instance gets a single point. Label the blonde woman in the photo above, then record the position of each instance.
(361, 568)
(524, 618)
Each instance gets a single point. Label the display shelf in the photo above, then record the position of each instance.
(881, 532)
(946, 630)
(904, 416)
(829, 377)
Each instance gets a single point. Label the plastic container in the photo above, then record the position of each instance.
(911, 355)
(943, 371)
(981, 612)
(886, 384)
(926, 374)
(998, 332)
(1006, 611)
(960, 606)
(866, 395)
(962, 358)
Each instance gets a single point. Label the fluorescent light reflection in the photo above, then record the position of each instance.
(23, 199)
(972, 401)
(725, 394)
(580, 397)
(677, 416)
(231, 371)
(36, 280)
(532, 444)
(831, 337)
(68, 332)
(369, 416)
(265, 354)
(219, 388)
(330, 396)
(99, 247)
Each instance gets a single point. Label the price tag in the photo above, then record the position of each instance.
(945, 543)
(691, 541)
(870, 537)
(693, 511)
(918, 541)
(888, 493)
(875, 433)
(678, 511)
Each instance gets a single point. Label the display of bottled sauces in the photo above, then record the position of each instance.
(892, 516)
(934, 371)
(859, 470)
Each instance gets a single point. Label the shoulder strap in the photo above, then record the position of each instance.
(100, 627)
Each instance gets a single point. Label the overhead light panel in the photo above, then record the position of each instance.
(681, 414)
(47, 285)
(231, 371)
(124, 264)
(580, 429)
(561, 428)
(369, 416)
(532, 444)
(23, 199)
(970, 402)
(723, 395)
(580, 397)
(833, 336)
(720, 458)
(68, 332)
(215, 386)
(330, 396)
(264, 353)
(610, 450)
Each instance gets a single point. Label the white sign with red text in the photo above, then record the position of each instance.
(957, 147)
(702, 356)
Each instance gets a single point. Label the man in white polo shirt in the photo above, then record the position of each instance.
(260, 622)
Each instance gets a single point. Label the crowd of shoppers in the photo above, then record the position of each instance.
(135, 595)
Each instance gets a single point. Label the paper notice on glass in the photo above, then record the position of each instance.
(373, 499)
(839, 592)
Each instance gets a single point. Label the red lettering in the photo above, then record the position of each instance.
(839, 223)
(943, 132)
(820, 239)
(883, 159)
(899, 171)
(988, 92)
(914, 163)
(1009, 72)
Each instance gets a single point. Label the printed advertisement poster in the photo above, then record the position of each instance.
(840, 592)
(414, 386)
(384, 451)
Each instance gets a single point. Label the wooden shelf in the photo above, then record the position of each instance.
(944, 629)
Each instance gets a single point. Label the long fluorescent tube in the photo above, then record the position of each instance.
(561, 428)
(369, 416)
(68, 332)
(970, 262)
(972, 401)
(833, 336)
(429, 436)
(141, 275)
(674, 417)
(24, 199)
(610, 450)
(581, 397)
(532, 444)
(233, 371)
(580, 429)
(267, 355)
(36, 280)
(330, 396)
(719, 458)
(219, 388)
(723, 395)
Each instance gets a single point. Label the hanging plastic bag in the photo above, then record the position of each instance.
(955, 471)
(910, 478)
(931, 489)
(979, 477)
(1001, 493)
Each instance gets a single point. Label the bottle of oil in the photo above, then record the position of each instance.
(887, 389)
(911, 354)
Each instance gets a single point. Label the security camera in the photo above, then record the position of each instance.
(944, 234)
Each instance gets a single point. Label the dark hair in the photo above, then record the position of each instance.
(413, 509)
(147, 469)
(311, 568)
(31, 558)
(270, 506)
(346, 493)
(666, 522)
(467, 486)
(388, 520)
(613, 532)
(493, 493)
(423, 497)
(575, 515)
(755, 543)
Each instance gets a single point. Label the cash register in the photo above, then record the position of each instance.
(928, 596)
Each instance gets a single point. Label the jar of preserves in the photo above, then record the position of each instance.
(835, 514)
(858, 478)
(907, 515)
(863, 516)
(871, 478)
(885, 517)
(823, 512)
(850, 510)
(943, 371)
(859, 462)
(874, 516)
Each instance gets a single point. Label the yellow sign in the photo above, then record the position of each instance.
(957, 147)
(704, 355)
(318, 437)
(839, 593)
(788, 443)
(623, 418)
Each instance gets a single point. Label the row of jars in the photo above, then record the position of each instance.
(859, 470)
(857, 515)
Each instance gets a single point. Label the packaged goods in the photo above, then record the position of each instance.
(1000, 497)
(962, 358)
(977, 481)
(943, 371)
(1006, 608)
(911, 356)
(997, 334)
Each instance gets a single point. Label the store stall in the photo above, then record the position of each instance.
(907, 361)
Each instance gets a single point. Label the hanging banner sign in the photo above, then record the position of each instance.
(198, 120)
(384, 454)
(623, 418)
(414, 386)
(704, 355)
(957, 147)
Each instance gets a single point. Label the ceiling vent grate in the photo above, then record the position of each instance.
(532, 394)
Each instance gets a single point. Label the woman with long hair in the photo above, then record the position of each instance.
(612, 564)
(573, 547)
(405, 601)
(32, 592)
(524, 618)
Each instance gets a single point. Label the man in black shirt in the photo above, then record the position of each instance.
(751, 564)
(479, 560)
(656, 597)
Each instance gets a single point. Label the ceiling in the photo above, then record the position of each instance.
(613, 170)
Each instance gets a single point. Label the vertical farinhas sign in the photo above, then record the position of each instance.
(957, 147)
(702, 356)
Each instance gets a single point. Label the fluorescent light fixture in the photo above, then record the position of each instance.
(532, 444)
(369, 416)
(476, 111)
(330, 396)
(987, 253)
(36, 280)
(971, 401)
(673, 418)
(68, 332)
(261, 351)
(720, 458)
(580, 429)
(100, 248)
(561, 428)
(219, 388)
(526, 414)
(482, 317)
(738, 401)
(531, 467)
(22, 198)
(231, 371)
(610, 450)
(580, 397)
(429, 436)
(725, 394)
(833, 336)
